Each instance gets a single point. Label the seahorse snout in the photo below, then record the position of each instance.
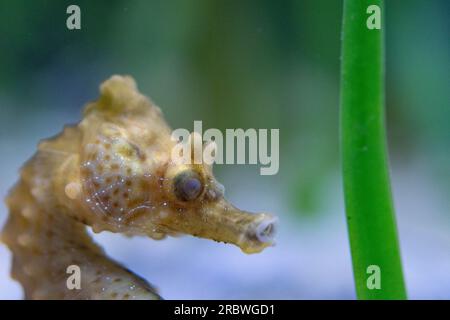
(266, 230)
(258, 233)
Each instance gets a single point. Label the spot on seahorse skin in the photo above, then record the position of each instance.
(28, 212)
(72, 190)
(163, 214)
(30, 269)
(24, 240)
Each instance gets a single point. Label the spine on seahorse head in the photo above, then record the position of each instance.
(46, 228)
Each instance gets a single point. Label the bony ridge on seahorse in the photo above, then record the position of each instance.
(113, 171)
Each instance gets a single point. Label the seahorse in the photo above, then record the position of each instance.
(113, 171)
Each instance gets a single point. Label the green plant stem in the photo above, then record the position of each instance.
(368, 200)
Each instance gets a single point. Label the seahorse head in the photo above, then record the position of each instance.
(131, 184)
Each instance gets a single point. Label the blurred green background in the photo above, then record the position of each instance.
(246, 64)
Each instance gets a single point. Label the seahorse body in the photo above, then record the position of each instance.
(113, 171)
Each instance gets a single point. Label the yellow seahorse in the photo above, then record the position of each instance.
(113, 171)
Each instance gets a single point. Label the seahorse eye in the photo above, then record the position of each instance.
(188, 185)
